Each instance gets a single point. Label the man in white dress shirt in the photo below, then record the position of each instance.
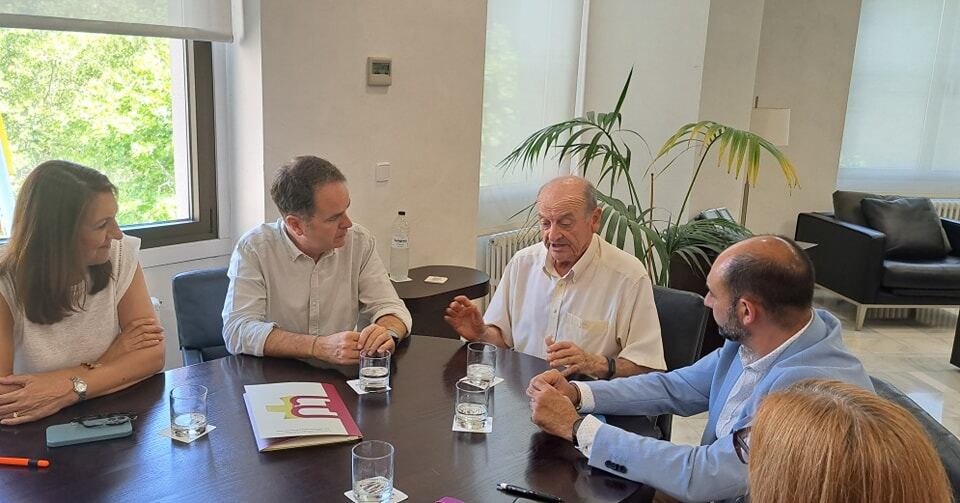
(579, 302)
(300, 286)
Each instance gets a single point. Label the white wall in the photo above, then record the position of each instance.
(427, 124)
(663, 40)
(726, 96)
(805, 62)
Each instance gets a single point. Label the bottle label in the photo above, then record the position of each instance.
(399, 242)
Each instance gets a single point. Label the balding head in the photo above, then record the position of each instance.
(568, 191)
(771, 271)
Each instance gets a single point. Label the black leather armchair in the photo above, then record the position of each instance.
(198, 302)
(946, 444)
(683, 322)
(849, 260)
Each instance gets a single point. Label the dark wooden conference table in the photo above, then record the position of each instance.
(416, 416)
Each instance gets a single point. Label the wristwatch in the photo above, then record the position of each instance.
(576, 428)
(611, 367)
(79, 387)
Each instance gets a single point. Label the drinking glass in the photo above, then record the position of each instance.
(188, 410)
(471, 411)
(481, 363)
(373, 471)
(374, 371)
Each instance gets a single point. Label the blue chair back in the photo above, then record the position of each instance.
(198, 302)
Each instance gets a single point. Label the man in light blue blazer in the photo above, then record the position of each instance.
(761, 293)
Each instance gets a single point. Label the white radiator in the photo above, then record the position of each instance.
(947, 208)
(495, 250)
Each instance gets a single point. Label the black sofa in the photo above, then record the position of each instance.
(853, 261)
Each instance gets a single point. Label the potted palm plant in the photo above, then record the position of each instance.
(598, 141)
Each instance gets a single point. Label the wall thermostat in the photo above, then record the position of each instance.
(379, 71)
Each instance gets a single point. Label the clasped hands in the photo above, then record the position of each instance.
(552, 404)
(29, 397)
(344, 348)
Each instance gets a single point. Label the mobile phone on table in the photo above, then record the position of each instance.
(60, 435)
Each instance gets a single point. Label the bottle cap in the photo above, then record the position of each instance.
(401, 212)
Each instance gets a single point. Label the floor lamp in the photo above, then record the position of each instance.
(773, 124)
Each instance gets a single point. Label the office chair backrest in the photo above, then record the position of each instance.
(198, 301)
(946, 444)
(683, 321)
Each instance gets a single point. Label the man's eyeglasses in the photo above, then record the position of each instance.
(741, 444)
(111, 419)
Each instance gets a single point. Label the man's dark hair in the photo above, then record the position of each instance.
(292, 189)
(780, 286)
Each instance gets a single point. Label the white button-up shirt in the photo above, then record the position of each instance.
(273, 283)
(753, 370)
(604, 305)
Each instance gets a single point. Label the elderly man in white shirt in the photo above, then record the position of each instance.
(579, 302)
(300, 286)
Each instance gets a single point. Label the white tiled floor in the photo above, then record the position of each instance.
(911, 355)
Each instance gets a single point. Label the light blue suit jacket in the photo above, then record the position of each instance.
(711, 471)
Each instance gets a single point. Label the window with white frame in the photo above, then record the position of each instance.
(530, 81)
(124, 87)
(903, 111)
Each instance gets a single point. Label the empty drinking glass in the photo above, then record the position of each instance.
(374, 371)
(481, 363)
(471, 411)
(188, 410)
(373, 471)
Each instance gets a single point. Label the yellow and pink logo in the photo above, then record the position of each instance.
(303, 406)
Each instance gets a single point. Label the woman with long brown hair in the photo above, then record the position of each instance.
(76, 320)
(822, 441)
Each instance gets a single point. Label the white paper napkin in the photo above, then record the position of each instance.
(167, 432)
(487, 426)
(397, 496)
(355, 386)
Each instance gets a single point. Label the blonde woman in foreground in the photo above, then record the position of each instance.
(827, 441)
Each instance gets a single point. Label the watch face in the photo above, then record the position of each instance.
(80, 386)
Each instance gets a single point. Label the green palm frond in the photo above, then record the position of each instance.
(735, 146)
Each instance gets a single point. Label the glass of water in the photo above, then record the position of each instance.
(471, 404)
(373, 471)
(374, 371)
(481, 363)
(188, 410)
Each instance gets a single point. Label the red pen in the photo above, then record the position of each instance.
(30, 463)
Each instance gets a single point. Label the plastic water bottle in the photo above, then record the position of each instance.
(400, 248)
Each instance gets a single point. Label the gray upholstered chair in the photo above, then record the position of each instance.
(946, 444)
(198, 301)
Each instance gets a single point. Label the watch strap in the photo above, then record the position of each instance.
(576, 428)
(611, 367)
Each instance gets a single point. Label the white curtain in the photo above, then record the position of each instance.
(183, 19)
(903, 112)
(530, 81)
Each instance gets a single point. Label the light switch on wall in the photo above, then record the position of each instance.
(383, 172)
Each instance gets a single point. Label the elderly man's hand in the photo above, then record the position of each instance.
(552, 411)
(577, 361)
(465, 318)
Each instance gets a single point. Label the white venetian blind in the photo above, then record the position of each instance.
(183, 19)
(530, 81)
(903, 112)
